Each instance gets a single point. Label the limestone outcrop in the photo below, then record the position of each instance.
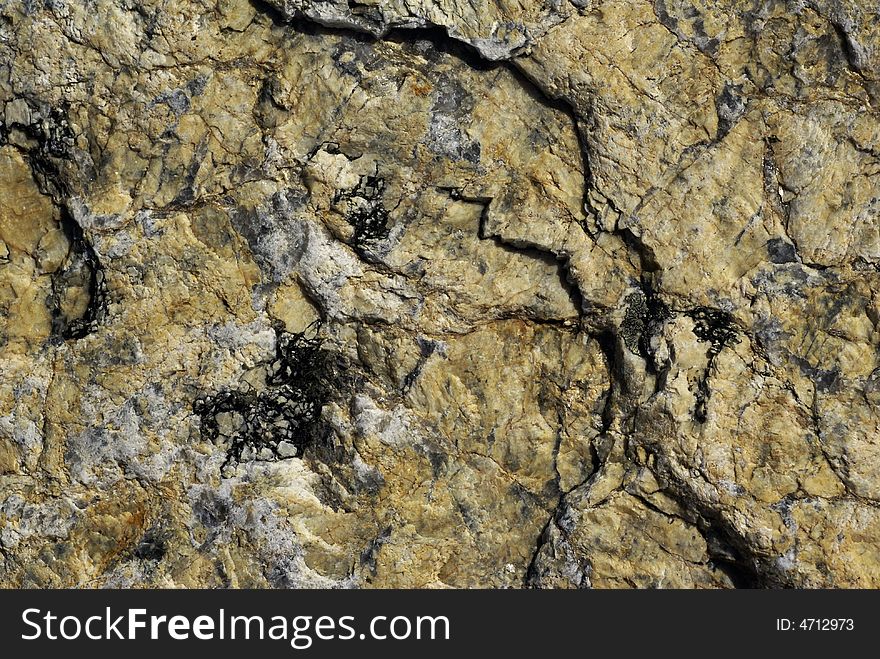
(439, 293)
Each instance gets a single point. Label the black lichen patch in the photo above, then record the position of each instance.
(633, 325)
(281, 421)
(718, 329)
(715, 327)
(644, 312)
(366, 211)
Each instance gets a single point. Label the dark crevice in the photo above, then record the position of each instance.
(531, 250)
(647, 260)
(83, 269)
(731, 554)
(645, 313)
(729, 550)
(548, 257)
(730, 561)
(531, 578)
(440, 41)
(45, 142)
(370, 224)
(723, 556)
(849, 49)
(305, 25)
(608, 344)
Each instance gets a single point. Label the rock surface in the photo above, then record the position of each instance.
(439, 293)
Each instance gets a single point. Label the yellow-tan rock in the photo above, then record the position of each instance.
(439, 294)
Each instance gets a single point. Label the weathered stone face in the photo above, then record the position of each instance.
(435, 294)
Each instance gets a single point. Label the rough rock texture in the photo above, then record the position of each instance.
(434, 293)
